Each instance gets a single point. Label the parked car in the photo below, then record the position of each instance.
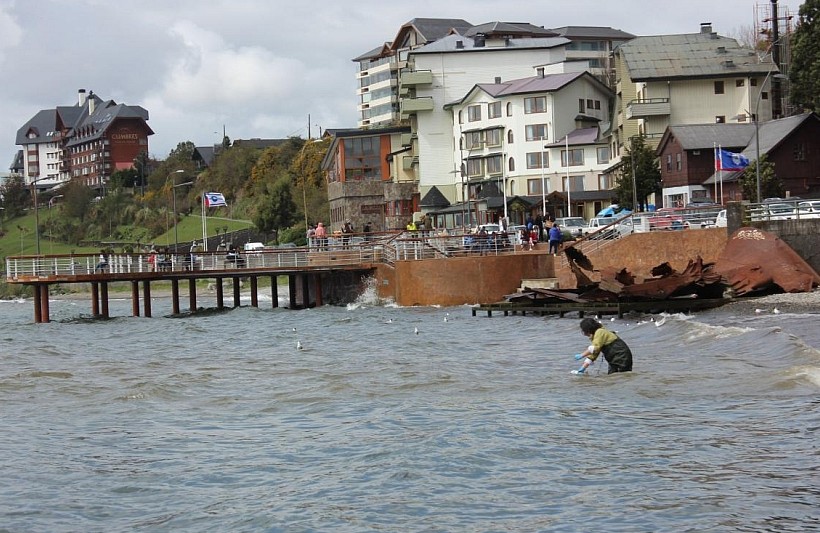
(774, 211)
(618, 228)
(809, 209)
(571, 225)
(720, 219)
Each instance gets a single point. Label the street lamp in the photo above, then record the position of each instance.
(174, 195)
(756, 118)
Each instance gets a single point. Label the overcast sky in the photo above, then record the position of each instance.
(260, 67)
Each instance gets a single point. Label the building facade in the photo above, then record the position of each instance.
(86, 142)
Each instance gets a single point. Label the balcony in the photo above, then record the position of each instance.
(414, 105)
(650, 107)
(417, 77)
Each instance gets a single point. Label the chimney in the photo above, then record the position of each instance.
(91, 103)
(81, 97)
(498, 80)
(540, 72)
(706, 27)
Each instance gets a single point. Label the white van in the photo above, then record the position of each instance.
(254, 247)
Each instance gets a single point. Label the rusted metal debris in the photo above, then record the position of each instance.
(756, 261)
(753, 261)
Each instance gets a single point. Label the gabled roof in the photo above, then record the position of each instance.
(434, 198)
(705, 136)
(43, 126)
(533, 84)
(104, 115)
(462, 44)
(577, 137)
(429, 29)
(774, 132)
(689, 55)
(592, 32)
(205, 154)
(508, 29)
(379, 51)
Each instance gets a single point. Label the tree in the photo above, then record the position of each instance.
(770, 185)
(77, 200)
(15, 197)
(804, 72)
(275, 208)
(647, 174)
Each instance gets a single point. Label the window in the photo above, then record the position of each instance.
(538, 160)
(576, 183)
(472, 140)
(534, 187)
(605, 182)
(511, 165)
(753, 82)
(576, 157)
(494, 110)
(581, 108)
(536, 132)
(536, 104)
(590, 104)
(742, 117)
(799, 152)
(720, 119)
(460, 118)
(494, 165)
(509, 109)
(509, 136)
(603, 155)
(719, 87)
(678, 162)
(474, 113)
(669, 162)
(362, 159)
(597, 104)
(764, 95)
(475, 168)
(493, 137)
(740, 83)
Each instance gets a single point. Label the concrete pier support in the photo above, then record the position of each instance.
(175, 296)
(254, 295)
(135, 298)
(220, 296)
(292, 291)
(146, 297)
(44, 313)
(104, 299)
(236, 292)
(95, 299)
(38, 304)
(192, 294)
(274, 291)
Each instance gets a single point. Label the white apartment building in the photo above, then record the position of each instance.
(531, 137)
(444, 72)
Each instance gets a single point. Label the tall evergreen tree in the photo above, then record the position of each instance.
(647, 174)
(804, 72)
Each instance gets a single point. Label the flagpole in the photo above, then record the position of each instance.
(204, 225)
(569, 187)
(720, 153)
(715, 162)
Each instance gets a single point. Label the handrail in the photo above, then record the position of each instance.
(402, 246)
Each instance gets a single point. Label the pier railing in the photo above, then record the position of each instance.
(403, 246)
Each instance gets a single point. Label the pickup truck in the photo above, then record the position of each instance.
(597, 223)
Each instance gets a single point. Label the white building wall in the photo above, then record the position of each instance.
(454, 74)
(562, 108)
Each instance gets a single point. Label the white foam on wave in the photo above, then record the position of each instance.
(812, 373)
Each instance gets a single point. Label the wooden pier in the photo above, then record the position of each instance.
(310, 273)
(601, 308)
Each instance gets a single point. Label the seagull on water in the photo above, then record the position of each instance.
(758, 311)
(298, 345)
(776, 311)
(416, 331)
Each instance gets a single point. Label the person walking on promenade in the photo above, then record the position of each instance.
(555, 239)
(321, 236)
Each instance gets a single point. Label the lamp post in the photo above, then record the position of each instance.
(174, 195)
(757, 128)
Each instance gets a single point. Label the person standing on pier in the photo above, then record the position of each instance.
(555, 239)
(321, 236)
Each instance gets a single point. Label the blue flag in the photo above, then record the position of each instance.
(730, 161)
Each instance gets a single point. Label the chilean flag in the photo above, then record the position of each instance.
(214, 199)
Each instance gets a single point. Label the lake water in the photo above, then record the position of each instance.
(218, 422)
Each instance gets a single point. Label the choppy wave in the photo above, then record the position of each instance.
(410, 419)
